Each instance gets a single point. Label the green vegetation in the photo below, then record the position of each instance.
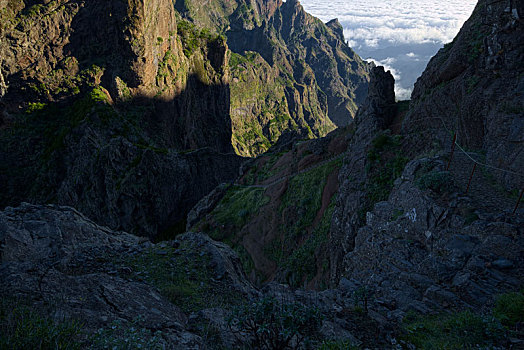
(271, 324)
(337, 345)
(304, 197)
(476, 42)
(437, 181)
(23, 327)
(58, 122)
(509, 309)
(165, 67)
(35, 107)
(238, 59)
(256, 175)
(235, 209)
(299, 249)
(194, 38)
(466, 330)
(303, 262)
(181, 276)
(431, 178)
(231, 215)
(461, 330)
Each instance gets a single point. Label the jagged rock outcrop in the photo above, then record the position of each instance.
(474, 87)
(419, 251)
(418, 232)
(374, 116)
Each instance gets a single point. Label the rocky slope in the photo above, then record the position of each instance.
(419, 233)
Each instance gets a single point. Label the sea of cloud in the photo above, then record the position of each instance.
(401, 35)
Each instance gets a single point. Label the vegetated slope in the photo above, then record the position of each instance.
(277, 216)
(288, 70)
(412, 231)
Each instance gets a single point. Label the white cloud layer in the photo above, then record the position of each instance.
(368, 22)
(401, 35)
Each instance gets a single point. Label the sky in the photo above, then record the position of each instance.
(401, 35)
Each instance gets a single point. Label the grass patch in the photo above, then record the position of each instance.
(462, 330)
(238, 205)
(22, 327)
(304, 262)
(272, 324)
(304, 197)
(300, 249)
(127, 335)
(194, 38)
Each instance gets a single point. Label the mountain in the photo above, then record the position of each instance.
(96, 93)
(288, 70)
(403, 229)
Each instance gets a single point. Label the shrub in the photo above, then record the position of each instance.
(270, 324)
(385, 165)
(509, 309)
(437, 181)
(124, 336)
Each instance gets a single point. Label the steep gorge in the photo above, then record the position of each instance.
(94, 93)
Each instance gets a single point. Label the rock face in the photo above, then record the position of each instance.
(413, 230)
(417, 251)
(52, 257)
(105, 107)
(115, 174)
(474, 87)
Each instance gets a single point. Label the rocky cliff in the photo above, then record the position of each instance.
(473, 88)
(423, 228)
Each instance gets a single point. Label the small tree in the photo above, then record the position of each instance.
(272, 325)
